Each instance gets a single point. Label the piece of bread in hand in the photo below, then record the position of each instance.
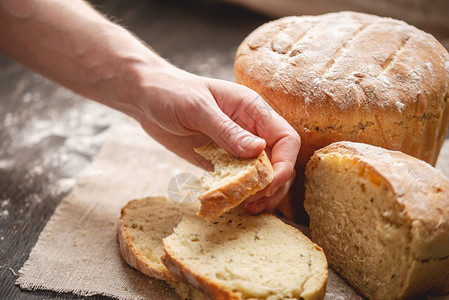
(142, 226)
(232, 181)
(246, 257)
(382, 218)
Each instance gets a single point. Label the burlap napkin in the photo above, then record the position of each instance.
(78, 252)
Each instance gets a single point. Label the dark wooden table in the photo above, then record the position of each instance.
(42, 125)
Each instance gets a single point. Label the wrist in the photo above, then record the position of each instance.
(157, 88)
(120, 74)
(146, 83)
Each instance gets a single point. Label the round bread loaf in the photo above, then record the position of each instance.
(351, 76)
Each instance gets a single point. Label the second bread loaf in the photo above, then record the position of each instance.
(382, 218)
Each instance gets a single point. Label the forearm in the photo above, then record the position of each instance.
(71, 43)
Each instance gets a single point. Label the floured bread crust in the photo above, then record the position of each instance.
(350, 76)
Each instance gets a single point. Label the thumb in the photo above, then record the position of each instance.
(231, 137)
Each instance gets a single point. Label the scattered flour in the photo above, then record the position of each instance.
(4, 214)
(27, 97)
(9, 119)
(6, 164)
(37, 170)
(307, 100)
(66, 146)
(384, 80)
(64, 185)
(400, 106)
(33, 199)
(415, 75)
(51, 146)
(4, 203)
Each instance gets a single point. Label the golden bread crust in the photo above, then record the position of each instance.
(217, 201)
(351, 76)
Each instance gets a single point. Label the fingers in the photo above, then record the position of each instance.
(240, 122)
(231, 137)
(249, 110)
(283, 158)
(269, 203)
(180, 145)
(284, 174)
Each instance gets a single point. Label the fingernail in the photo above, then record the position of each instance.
(250, 142)
(259, 207)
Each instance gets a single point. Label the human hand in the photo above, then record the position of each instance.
(103, 61)
(183, 111)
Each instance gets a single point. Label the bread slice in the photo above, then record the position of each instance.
(233, 180)
(246, 257)
(142, 226)
(382, 218)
